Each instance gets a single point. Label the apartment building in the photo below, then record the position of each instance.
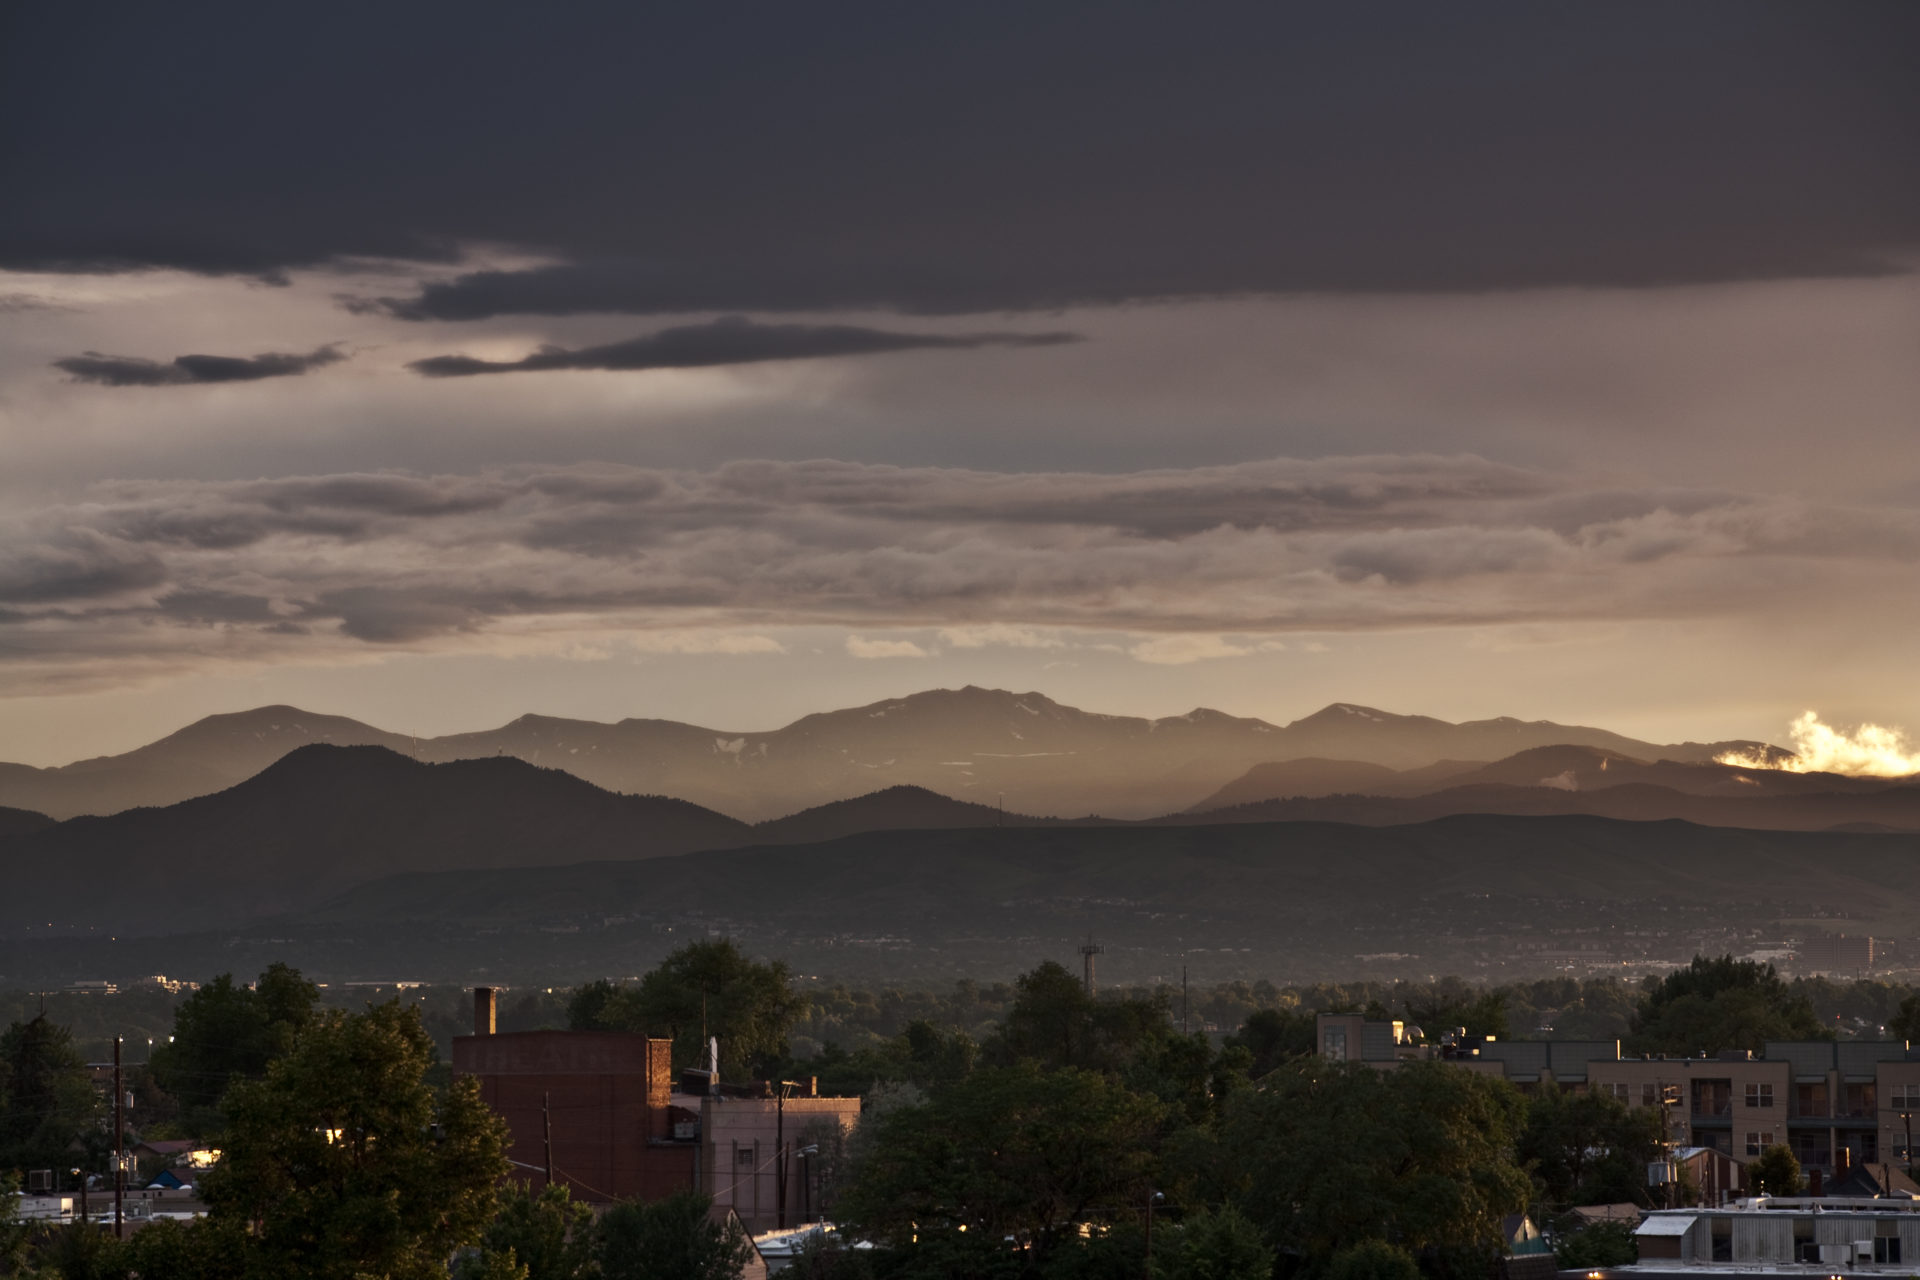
(1837, 1104)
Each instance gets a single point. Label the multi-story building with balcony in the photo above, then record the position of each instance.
(1837, 1104)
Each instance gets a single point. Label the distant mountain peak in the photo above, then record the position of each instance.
(1353, 711)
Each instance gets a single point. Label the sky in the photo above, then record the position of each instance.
(434, 364)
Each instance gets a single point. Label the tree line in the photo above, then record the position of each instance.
(1064, 1136)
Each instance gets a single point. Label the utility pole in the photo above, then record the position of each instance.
(780, 1154)
(119, 1145)
(546, 1131)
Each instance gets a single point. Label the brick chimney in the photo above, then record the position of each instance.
(485, 1000)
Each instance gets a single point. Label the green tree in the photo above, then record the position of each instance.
(1372, 1260)
(1713, 1005)
(933, 1057)
(1010, 1153)
(922, 1055)
(1905, 1024)
(203, 1250)
(15, 1235)
(713, 985)
(1055, 1023)
(1775, 1172)
(83, 1251)
(1220, 1244)
(1602, 1244)
(1325, 1156)
(1587, 1148)
(548, 1236)
(226, 1032)
(587, 1005)
(671, 1239)
(47, 1098)
(348, 1164)
(1274, 1035)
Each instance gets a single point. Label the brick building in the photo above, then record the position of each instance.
(605, 1098)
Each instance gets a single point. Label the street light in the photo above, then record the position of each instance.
(1152, 1200)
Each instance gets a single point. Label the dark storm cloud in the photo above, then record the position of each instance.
(132, 371)
(216, 606)
(730, 340)
(964, 158)
(74, 563)
(386, 617)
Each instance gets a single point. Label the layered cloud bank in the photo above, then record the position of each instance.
(1195, 564)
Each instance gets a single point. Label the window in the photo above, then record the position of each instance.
(1622, 1092)
(1759, 1095)
(743, 1156)
(1649, 1095)
(1758, 1141)
(1336, 1044)
(1905, 1097)
(1886, 1248)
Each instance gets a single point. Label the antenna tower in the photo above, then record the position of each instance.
(1088, 950)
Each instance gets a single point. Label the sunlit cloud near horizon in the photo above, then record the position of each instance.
(1866, 750)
